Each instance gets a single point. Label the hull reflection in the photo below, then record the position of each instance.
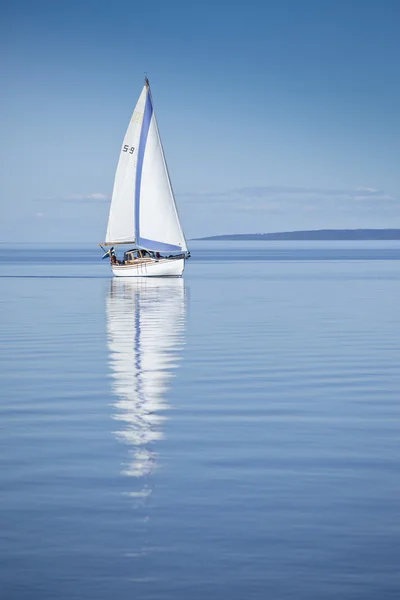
(145, 323)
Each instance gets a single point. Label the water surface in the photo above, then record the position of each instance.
(233, 434)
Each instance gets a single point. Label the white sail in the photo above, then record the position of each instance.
(145, 323)
(159, 224)
(121, 221)
(143, 207)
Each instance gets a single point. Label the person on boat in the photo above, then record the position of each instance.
(158, 255)
(113, 259)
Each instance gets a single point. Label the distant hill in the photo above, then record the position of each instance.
(316, 235)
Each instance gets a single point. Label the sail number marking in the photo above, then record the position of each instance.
(137, 117)
(127, 148)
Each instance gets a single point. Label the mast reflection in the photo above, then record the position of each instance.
(145, 323)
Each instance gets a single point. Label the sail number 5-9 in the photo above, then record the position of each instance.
(130, 149)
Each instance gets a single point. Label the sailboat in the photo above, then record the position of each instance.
(143, 214)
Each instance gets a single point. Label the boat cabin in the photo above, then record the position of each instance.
(132, 255)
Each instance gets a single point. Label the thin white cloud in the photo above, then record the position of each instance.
(272, 207)
(87, 197)
(79, 198)
(375, 197)
(370, 190)
(304, 198)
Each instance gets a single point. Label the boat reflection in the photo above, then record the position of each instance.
(145, 323)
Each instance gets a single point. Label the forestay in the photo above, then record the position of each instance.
(143, 208)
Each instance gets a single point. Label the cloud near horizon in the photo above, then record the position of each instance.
(279, 190)
(79, 198)
(304, 199)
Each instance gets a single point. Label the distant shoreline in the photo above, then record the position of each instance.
(310, 235)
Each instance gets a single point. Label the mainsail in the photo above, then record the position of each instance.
(143, 209)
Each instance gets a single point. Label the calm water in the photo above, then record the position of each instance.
(231, 435)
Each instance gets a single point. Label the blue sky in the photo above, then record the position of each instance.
(274, 116)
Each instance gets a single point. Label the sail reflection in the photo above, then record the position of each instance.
(145, 322)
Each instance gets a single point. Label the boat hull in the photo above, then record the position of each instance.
(153, 268)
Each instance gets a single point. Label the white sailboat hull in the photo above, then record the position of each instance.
(151, 268)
